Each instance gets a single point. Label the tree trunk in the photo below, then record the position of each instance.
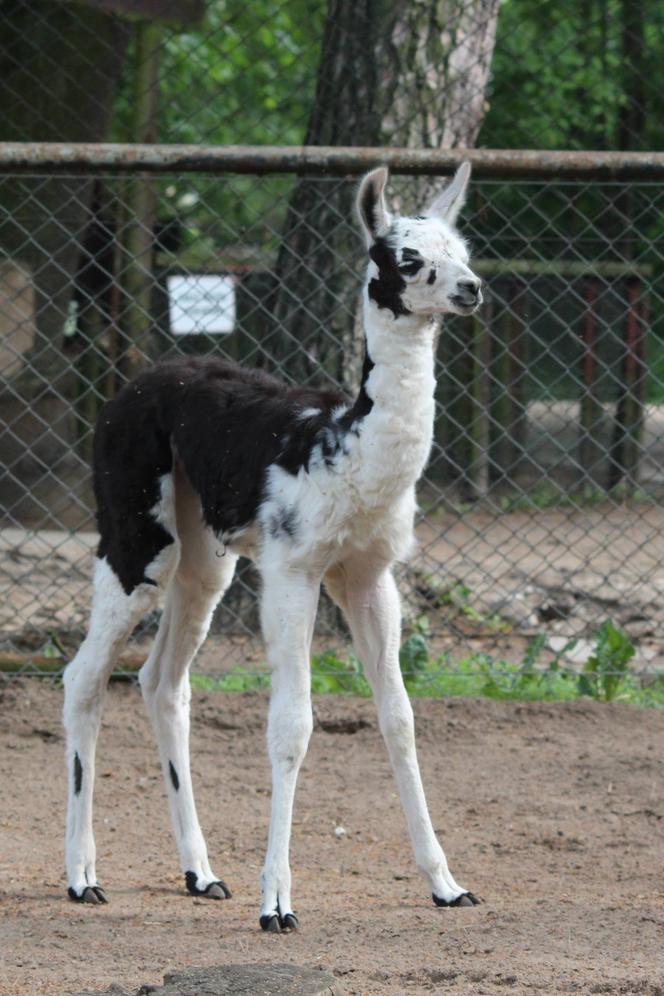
(390, 74)
(59, 66)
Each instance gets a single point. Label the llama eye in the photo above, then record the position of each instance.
(411, 262)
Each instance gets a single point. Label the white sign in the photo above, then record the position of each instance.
(203, 304)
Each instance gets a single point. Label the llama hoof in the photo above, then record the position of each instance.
(215, 890)
(93, 894)
(465, 899)
(275, 923)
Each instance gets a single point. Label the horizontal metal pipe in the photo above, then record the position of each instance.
(50, 157)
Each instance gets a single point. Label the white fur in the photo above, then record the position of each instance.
(352, 518)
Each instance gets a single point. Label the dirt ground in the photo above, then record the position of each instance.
(552, 813)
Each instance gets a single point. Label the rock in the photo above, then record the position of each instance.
(239, 980)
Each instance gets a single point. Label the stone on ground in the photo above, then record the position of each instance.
(238, 980)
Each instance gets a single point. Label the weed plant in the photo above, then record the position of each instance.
(606, 676)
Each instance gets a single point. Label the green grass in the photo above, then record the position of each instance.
(606, 676)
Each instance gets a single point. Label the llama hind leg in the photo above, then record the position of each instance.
(203, 575)
(114, 615)
(164, 681)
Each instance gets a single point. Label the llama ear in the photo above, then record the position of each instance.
(371, 209)
(449, 202)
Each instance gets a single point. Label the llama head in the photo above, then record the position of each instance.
(419, 266)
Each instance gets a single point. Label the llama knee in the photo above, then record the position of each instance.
(289, 731)
(83, 690)
(397, 723)
(163, 698)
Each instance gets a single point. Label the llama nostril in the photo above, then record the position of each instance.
(469, 286)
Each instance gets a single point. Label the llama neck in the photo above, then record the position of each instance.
(396, 400)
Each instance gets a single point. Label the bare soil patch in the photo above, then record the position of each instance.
(553, 813)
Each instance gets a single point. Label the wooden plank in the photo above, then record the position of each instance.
(560, 268)
(12, 663)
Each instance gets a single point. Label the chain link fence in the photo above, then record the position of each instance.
(540, 507)
(541, 513)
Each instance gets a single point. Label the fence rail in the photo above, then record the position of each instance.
(325, 160)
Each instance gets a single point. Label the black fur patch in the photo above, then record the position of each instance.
(226, 425)
(386, 289)
(78, 774)
(131, 451)
(174, 776)
(368, 208)
(412, 262)
(283, 524)
(364, 403)
(432, 276)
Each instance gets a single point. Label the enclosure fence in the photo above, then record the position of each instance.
(540, 509)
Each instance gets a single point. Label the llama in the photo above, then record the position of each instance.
(200, 461)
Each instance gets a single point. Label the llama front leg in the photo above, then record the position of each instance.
(370, 601)
(288, 610)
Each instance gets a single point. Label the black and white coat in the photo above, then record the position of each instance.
(200, 461)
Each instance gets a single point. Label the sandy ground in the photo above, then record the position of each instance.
(552, 813)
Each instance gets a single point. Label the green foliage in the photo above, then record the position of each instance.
(414, 656)
(458, 596)
(605, 675)
(560, 78)
(245, 75)
(331, 674)
(53, 648)
(237, 680)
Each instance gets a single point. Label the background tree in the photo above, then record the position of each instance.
(59, 66)
(389, 74)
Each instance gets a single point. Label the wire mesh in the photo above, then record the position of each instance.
(540, 509)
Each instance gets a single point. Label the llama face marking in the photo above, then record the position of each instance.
(419, 266)
(432, 261)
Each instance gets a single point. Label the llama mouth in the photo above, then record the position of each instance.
(465, 306)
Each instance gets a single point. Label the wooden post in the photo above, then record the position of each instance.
(479, 399)
(453, 352)
(509, 408)
(139, 199)
(500, 455)
(590, 407)
(518, 365)
(628, 425)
